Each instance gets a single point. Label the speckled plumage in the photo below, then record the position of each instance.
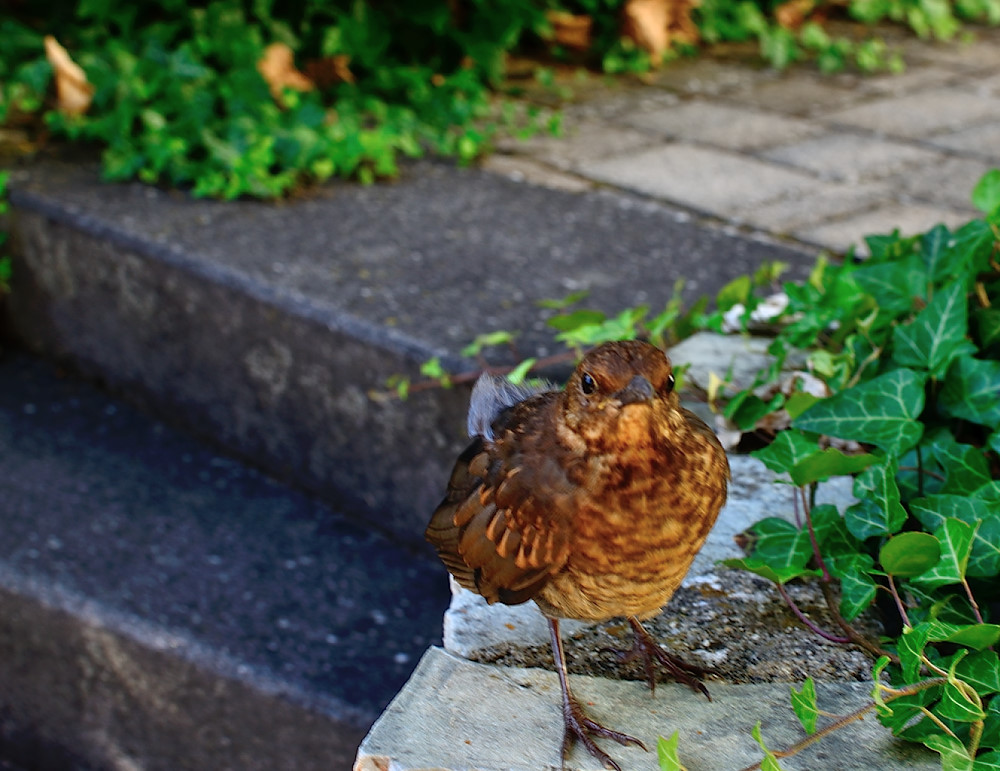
(592, 501)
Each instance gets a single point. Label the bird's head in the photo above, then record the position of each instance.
(620, 393)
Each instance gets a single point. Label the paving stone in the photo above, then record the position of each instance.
(715, 181)
(582, 140)
(455, 714)
(709, 76)
(736, 128)
(983, 140)
(521, 169)
(798, 93)
(852, 157)
(915, 78)
(982, 53)
(985, 86)
(908, 218)
(948, 183)
(919, 114)
(833, 200)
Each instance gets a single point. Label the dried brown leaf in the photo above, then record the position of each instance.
(330, 70)
(73, 92)
(570, 30)
(277, 67)
(793, 13)
(656, 25)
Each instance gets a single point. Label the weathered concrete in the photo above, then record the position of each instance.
(455, 714)
(166, 607)
(266, 327)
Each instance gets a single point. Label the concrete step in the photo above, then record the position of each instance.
(264, 327)
(167, 607)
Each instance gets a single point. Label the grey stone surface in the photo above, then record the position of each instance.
(834, 200)
(738, 356)
(911, 115)
(908, 218)
(980, 140)
(852, 157)
(735, 128)
(266, 327)
(710, 180)
(458, 715)
(163, 603)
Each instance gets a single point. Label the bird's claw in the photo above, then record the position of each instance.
(646, 649)
(579, 727)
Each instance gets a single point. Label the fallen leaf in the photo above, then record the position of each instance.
(570, 30)
(656, 25)
(73, 92)
(330, 70)
(277, 67)
(793, 13)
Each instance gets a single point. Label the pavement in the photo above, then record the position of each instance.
(203, 597)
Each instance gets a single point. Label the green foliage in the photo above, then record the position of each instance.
(178, 98)
(915, 385)
(5, 267)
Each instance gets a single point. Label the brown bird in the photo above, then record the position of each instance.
(592, 501)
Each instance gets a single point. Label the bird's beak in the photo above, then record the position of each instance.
(638, 390)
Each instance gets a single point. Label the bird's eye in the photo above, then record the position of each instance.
(669, 384)
(587, 383)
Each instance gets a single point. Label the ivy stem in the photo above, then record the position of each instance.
(853, 717)
(899, 600)
(854, 636)
(972, 600)
(808, 621)
(812, 537)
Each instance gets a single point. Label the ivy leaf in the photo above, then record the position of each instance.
(933, 510)
(857, 590)
(804, 705)
(987, 326)
(937, 334)
(991, 729)
(878, 510)
(894, 283)
(955, 538)
(831, 462)
(746, 408)
(966, 466)
(988, 762)
(909, 554)
(986, 193)
(787, 449)
(970, 391)
(954, 756)
(955, 705)
(981, 670)
(761, 568)
(520, 372)
(666, 753)
(770, 761)
(781, 544)
(882, 412)
(911, 646)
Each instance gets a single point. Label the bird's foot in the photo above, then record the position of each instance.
(648, 651)
(579, 727)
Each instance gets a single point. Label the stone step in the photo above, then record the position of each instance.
(168, 607)
(265, 327)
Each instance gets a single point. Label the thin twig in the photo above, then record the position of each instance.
(808, 621)
(972, 600)
(899, 600)
(855, 637)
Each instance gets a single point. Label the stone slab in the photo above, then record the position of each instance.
(910, 115)
(709, 180)
(853, 157)
(732, 127)
(983, 140)
(946, 183)
(800, 213)
(152, 586)
(267, 327)
(839, 235)
(458, 715)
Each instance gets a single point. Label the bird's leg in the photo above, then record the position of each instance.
(576, 724)
(644, 647)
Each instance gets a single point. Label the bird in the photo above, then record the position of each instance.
(591, 500)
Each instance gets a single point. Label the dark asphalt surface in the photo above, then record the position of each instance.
(103, 501)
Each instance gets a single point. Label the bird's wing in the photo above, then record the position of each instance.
(503, 527)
